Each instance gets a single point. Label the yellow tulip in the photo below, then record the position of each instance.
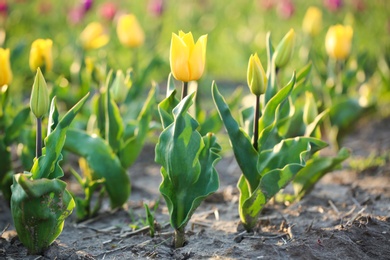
(338, 41)
(5, 68)
(41, 54)
(284, 49)
(93, 36)
(256, 77)
(187, 58)
(129, 31)
(312, 22)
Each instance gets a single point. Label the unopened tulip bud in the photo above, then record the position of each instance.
(256, 77)
(39, 101)
(119, 88)
(5, 68)
(284, 49)
(310, 111)
(338, 41)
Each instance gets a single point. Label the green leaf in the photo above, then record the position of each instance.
(113, 120)
(244, 152)
(187, 162)
(314, 170)
(19, 122)
(165, 108)
(133, 146)
(103, 163)
(45, 165)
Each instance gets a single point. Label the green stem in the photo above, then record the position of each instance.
(38, 139)
(339, 78)
(256, 123)
(184, 90)
(179, 238)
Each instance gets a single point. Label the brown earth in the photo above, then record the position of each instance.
(347, 216)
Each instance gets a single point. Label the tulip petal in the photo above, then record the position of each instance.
(179, 58)
(197, 58)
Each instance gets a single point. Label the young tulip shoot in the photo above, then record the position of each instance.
(284, 49)
(5, 68)
(338, 41)
(41, 55)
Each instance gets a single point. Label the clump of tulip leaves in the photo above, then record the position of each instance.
(267, 147)
(187, 159)
(40, 201)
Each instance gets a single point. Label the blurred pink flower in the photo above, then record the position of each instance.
(76, 15)
(87, 4)
(359, 5)
(3, 7)
(267, 4)
(286, 9)
(333, 5)
(156, 7)
(108, 10)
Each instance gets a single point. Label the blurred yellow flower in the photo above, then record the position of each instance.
(256, 77)
(187, 58)
(284, 49)
(93, 36)
(129, 31)
(41, 55)
(5, 67)
(338, 41)
(312, 22)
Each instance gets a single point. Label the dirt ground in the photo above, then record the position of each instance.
(347, 216)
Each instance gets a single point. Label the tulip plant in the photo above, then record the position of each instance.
(187, 159)
(267, 147)
(40, 202)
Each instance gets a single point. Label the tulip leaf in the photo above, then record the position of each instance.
(133, 146)
(114, 124)
(244, 152)
(314, 170)
(39, 208)
(103, 162)
(45, 165)
(187, 161)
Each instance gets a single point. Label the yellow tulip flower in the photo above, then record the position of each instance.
(256, 77)
(129, 31)
(187, 58)
(41, 54)
(93, 36)
(5, 67)
(312, 22)
(338, 41)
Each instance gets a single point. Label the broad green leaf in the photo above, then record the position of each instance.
(314, 170)
(39, 208)
(133, 146)
(103, 163)
(13, 130)
(310, 129)
(187, 162)
(45, 165)
(165, 108)
(247, 116)
(244, 152)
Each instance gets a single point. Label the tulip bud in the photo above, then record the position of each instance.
(256, 77)
(338, 41)
(312, 22)
(310, 111)
(284, 49)
(187, 59)
(93, 36)
(108, 11)
(39, 101)
(41, 55)
(119, 88)
(129, 31)
(5, 68)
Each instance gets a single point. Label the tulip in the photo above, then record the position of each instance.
(129, 31)
(39, 101)
(338, 41)
(284, 49)
(108, 11)
(93, 36)
(156, 7)
(310, 111)
(87, 5)
(187, 59)
(286, 9)
(333, 5)
(256, 77)
(41, 54)
(312, 22)
(120, 88)
(5, 68)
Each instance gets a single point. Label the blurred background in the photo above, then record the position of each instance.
(235, 30)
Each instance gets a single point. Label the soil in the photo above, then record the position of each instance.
(346, 216)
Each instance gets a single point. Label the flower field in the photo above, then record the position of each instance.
(194, 129)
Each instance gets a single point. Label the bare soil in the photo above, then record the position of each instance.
(347, 216)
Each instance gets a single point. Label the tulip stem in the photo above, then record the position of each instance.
(179, 239)
(38, 146)
(256, 123)
(184, 90)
